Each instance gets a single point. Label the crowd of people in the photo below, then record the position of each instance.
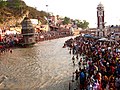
(98, 63)
(13, 40)
(7, 43)
(51, 35)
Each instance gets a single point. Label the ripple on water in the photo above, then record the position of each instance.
(46, 66)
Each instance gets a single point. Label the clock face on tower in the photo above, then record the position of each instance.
(100, 13)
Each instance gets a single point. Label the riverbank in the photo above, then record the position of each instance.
(16, 40)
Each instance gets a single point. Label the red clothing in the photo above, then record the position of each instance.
(112, 69)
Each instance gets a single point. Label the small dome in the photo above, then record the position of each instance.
(100, 5)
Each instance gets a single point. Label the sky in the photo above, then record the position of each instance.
(80, 9)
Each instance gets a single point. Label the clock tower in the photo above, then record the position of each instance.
(100, 21)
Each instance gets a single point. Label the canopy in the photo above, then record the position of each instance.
(107, 40)
(10, 32)
(88, 36)
(103, 39)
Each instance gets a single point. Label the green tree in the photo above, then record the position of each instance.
(15, 4)
(78, 23)
(85, 24)
(2, 3)
(81, 24)
(66, 20)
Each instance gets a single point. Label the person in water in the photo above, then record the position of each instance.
(73, 59)
(10, 50)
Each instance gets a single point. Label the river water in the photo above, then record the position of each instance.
(45, 66)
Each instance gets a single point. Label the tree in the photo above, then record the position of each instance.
(78, 23)
(81, 24)
(15, 4)
(3, 3)
(66, 20)
(84, 24)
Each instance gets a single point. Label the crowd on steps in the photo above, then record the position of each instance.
(98, 63)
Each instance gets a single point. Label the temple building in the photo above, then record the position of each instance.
(28, 32)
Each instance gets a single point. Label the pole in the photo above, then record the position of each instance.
(47, 11)
(47, 17)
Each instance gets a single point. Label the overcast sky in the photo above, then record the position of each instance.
(80, 9)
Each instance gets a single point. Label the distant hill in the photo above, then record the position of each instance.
(13, 10)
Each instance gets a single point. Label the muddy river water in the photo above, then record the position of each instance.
(45, 66)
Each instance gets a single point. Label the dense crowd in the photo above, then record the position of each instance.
(13, 40)
(100, 69)
(51, 35)
(7, 43)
